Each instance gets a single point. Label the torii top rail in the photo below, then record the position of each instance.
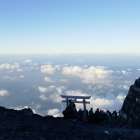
(75, 101)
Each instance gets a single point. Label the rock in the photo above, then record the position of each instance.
(129, 115)
(49, 116)
(27, 111)
(42, 138)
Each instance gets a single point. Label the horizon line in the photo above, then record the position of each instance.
(59, 53)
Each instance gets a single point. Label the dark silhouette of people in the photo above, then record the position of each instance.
(97, 118)
(91, 116)
(80, 115)
(97, 114)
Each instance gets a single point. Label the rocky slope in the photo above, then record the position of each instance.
(130, 112)
(24, 125)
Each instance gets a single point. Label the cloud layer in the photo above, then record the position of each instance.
(4, 92)
(9, 66)
(37, 83)
(92, 74)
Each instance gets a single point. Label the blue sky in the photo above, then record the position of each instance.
(69, 26)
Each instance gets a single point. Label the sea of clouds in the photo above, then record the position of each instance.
(37, 81)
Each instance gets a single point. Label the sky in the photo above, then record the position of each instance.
(36, 81)
(69, 47)
(69, 26)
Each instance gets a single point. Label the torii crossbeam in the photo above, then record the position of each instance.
(75, 99)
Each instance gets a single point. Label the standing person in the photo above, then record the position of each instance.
(91, 116)
(85, 119)
(97, 115)
(107, 114)
(115, 114)
(74, 112)
(72, 103)
(65, 113)
(70, 111)
(80, 115)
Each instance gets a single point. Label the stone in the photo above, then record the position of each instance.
(27, 112)
(129, 115)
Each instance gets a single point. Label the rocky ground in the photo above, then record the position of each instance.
(24, 125)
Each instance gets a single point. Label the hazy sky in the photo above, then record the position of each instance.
(69, 26)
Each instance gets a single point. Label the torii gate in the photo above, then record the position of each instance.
(75, 101)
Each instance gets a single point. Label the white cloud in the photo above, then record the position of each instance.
(54, 112)
(55, 97)
(19, 70)
(43, 97)
(27, 61)
(94, 89)
(110, 85)
(57, 67)
(123, 71)
(111, 90)
(42, 89)
(126, 87)
(11, 71)
(100, 86)
(60, 89)
(121, 98)
(32, 103)
(138, 69)
(47, 79)
(116, 77)
(9, 78)
(47, 69)
(4, 92)
(85, 66)
(38, 106)
(75, 93)
(8, 66)
(51, 87)
(35, 64)
(22, 76)
(64, 80)
(92, 74)
(129, 82)
(100, 103)
(55, 93)
(48, 63)
(109, 103)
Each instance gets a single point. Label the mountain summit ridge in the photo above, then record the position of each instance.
(130, 111)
